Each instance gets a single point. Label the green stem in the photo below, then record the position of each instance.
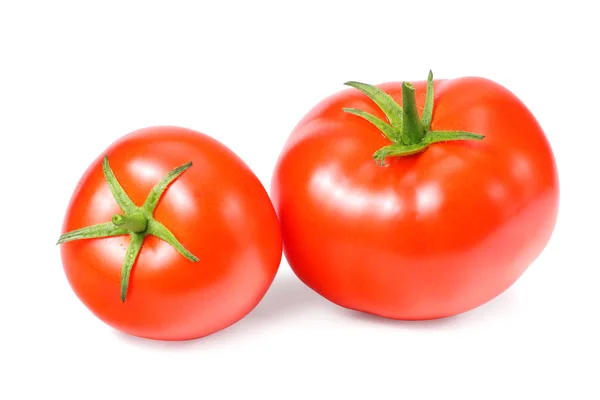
(408, 134)
(135, 222)
(412, 128)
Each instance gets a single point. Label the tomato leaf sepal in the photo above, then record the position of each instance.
(106, 229)
(133, 250)
(397, 150)
(137, 222)
(408, 133)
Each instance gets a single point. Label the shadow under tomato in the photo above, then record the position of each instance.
(286, 297)
(502, 304)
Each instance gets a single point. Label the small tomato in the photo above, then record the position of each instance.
(169, 235)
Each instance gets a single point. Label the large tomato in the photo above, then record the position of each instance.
(207, 235)
(416, 201)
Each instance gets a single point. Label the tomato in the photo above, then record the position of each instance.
(416, 200)
(207, 235)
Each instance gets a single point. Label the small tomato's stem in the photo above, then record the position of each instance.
(412, 129)
(135, 222)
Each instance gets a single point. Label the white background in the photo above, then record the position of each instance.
(76, 76)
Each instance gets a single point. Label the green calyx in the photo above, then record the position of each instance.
(137, 222)
(408, 133)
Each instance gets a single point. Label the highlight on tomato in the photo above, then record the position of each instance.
(169, 235)
(416, 200)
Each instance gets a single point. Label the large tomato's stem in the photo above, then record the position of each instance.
(409, 134)
(411, 124)
(135, 221)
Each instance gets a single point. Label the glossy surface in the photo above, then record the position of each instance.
(431, 235)
(218, 210)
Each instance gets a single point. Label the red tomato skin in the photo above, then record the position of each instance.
(218, 210)
(431, 235)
